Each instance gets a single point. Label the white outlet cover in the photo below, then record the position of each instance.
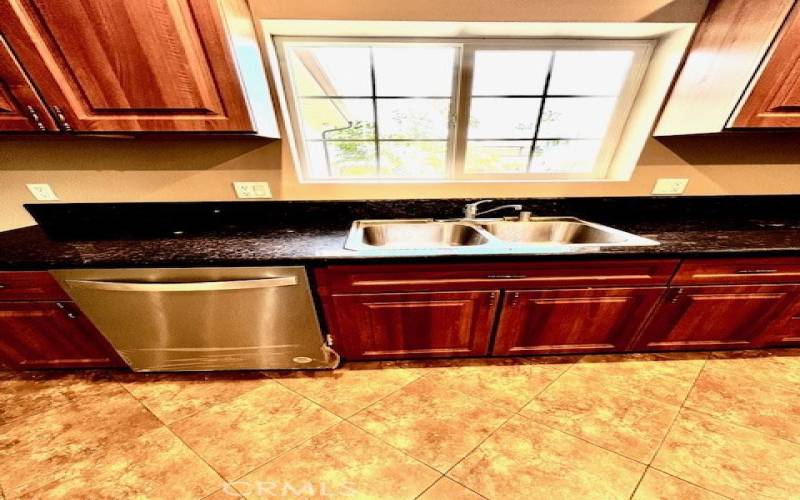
(252, 190)
(670, 186)
(42, 192)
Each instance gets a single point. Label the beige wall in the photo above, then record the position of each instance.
(150, 168)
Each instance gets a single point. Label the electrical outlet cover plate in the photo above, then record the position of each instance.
(252, 190)
(42, 192)
(670, 186)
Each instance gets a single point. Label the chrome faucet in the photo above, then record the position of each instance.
(471, 209)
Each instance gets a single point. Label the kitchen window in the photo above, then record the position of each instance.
(395, 110)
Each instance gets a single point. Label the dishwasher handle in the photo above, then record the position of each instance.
(194, 286)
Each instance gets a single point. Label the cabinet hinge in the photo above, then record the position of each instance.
(329, 339)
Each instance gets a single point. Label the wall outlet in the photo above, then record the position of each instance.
(42, 192)
(252, 190)
(670, 186)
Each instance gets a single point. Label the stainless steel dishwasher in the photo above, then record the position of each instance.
(170, 319)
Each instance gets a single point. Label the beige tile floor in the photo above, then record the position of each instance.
(669, 426)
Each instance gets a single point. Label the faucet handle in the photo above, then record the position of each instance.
(471, 209)
(477, 203)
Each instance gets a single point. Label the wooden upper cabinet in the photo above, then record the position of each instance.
(729, 62)
(143, 65)
(21, 109)
(774, 100)
(567, 321)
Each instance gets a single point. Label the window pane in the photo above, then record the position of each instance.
(497, 118)
(342, 118)
(414, 71)
(590, 72)
(565, 156)
(340, 71)
(343, 159)
(413, 118)
(413, 159)
(510, 72)
(579, 117)
(497, 157)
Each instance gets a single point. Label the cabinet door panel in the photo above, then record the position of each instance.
(594, 320)
(20, 107)
(131, 65)
(715, 317)
(50, 335)
(774, 100)
(413, 325)
(785, 329)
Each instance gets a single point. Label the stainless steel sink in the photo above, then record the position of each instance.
(540, 234)
(564, 232)
(422, 234)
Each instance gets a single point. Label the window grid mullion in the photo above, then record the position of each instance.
(373, 86)
(463, 110)
(541, 112)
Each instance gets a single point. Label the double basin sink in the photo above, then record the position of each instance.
(490, 235)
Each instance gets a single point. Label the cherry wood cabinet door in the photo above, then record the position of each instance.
(784, 331)
(131, 65)
(412, 325)
(51, 335)
(715, 317)
(561, 321)
(21, 109)
(774, 100)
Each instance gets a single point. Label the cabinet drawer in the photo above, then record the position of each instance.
(738, 271)
(30, 285)
(478, 276)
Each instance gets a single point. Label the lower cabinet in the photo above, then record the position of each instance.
(512, 309)
(717, 317)
(413, 325)
(561, 321)
(51, 335)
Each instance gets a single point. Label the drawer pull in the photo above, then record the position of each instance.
(506, 276)
(795, 317)
(756, 271)
(2, 286)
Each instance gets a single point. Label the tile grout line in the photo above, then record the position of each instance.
(740, 426)
(669, 429)
(444, 477)
(166, 426)
(689, 482)
(512, 415)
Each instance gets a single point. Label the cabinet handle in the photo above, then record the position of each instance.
(61, 118)
(506, 276)
(514, 299)
(756, 271)
(677, 296)
(492, 299)
(37, 120)
(2, 286)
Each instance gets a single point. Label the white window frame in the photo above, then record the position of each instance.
(667, 43)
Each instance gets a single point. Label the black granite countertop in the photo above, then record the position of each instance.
(278, 233)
